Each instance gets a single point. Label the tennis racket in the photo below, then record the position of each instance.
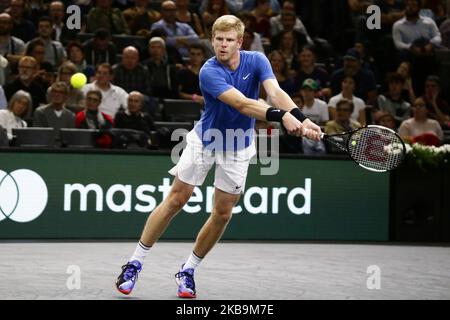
(375, 148)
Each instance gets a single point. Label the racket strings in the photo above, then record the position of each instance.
(376, 148)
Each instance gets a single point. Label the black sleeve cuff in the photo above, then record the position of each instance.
(274, 114)
(298, 114)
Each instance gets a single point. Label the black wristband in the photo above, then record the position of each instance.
(298, 114)
(274, 114)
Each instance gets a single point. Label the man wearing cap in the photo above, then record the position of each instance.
(180, 35)
(365, 88)
(313, 108)
(317, 111)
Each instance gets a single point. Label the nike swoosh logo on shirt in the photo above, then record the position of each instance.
(245, 78)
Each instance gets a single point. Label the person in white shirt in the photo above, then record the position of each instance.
(315, 109)
(19, 108)
(114, 97)
(359, 112)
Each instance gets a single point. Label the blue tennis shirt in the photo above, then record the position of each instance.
(218, 117)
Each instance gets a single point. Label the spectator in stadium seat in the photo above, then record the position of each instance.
(57, 12)
(262, 12)
(420, 126)
(404, 69)
(288, 23)
(180, 35)
(75, 101)
(113, 97)
(287, 43)
(103, 15)
(308, 69)
(100, 49)
(55, 53)
(27, 69)
(45, 75)
(213, 10)
(252, 40)
(416, 38)
(191, 18)
(19, 110)
(392, 101)
(280, 22)
(11, 48)
(23, 28)
(129, 74)
(163, 75)
(317, 111)
(133, 117)
(365, 87)
(55, 114)
(343, 122)
(173, 55)
(92, 118)
(75, 54)
(281, 72)
(438, 108)
(313, 108)
(141, 17)
(188, 77)
(385, 119)
(348, 87)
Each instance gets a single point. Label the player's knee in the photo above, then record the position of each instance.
(177, 201)
(222, 216)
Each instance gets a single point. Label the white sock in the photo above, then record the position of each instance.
(192, 262)
(140, 253)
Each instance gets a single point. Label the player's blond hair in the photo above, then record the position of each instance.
(229, 23)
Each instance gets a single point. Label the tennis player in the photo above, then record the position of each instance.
(230, 86)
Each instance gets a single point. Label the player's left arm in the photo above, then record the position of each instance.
(283, 101)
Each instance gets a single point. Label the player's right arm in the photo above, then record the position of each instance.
(258, 110)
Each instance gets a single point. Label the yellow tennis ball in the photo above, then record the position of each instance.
(78, 80)
(353, 142)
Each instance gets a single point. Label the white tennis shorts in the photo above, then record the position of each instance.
(196, 161)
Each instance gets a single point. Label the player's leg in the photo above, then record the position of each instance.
(160, 218)
(156, 224)
(190, 170)
(217, 222)
(230, 176)
(208, 236)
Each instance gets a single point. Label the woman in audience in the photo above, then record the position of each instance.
(281, 72)
(19, 109)
(420, 128)
(92, 118)
(404, 69)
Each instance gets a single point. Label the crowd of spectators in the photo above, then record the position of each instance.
(342, 74)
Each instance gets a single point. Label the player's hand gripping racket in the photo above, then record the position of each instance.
(375, 148)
